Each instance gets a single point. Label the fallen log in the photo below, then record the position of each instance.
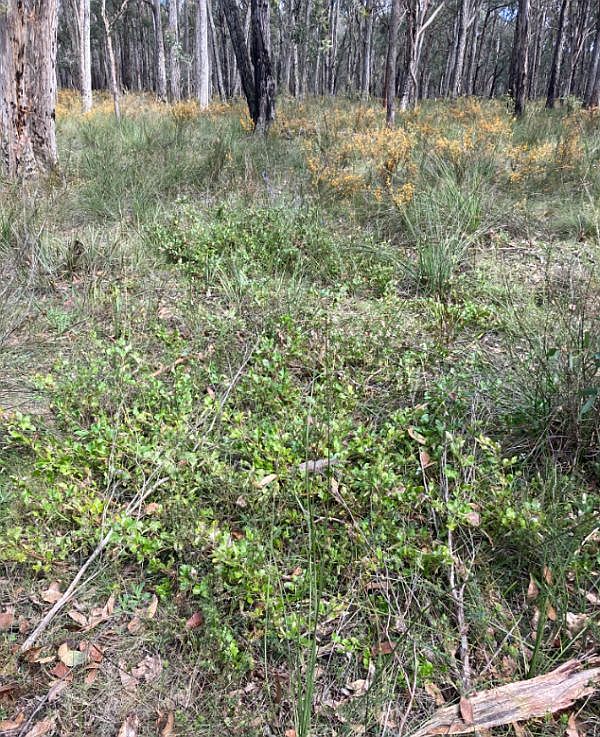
(517, 702)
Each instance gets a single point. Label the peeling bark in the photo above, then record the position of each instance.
(28, 40)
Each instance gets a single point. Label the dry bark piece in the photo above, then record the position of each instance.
(519, 701)
(466, 710)
(317, 466)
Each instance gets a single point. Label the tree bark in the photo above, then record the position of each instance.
(85, 55)
(28, 40)
(390, 64)
(240, 50)
(520, 57)
(202, 70)
(464, 21)
(557, 58)
(218, 68)
(159, 53)
(173, 45)
(592, 90)
(333, 43)
(264, 83)
(367, 42)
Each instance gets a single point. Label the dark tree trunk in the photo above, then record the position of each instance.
(240, 49)
(557, 57)
(592, 90)
(264, 83)
(520, 58)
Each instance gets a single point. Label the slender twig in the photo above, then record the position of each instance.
(136, 502)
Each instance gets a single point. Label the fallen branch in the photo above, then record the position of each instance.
(518, 702)
(137, 501)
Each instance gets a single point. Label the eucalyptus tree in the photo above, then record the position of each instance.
(28, 42)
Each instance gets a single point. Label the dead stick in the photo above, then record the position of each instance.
(31, 640)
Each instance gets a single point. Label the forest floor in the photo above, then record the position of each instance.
(337, 396)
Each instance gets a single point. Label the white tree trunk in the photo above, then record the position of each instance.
(27, 86)
(85, 56)
(202, 70)
(159, 53)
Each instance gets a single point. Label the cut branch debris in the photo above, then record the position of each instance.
(518, 702)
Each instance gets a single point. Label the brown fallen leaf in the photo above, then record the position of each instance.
(41, 728)
(152, 508)
(130, 726)
(361, 685)
(592, 598)
(551, 613)
(548, 578)
(8, 725)
(33, 655)
(9, 692)
(265, 481)
(135, 626)
(148, 669)
(166, 724)
(101, 614)
(95, 653)
(195, 621)
(60, 670)
(128, 682)
(416, 435)
(576, 623)
(385, 647)
(466, 710)
(7, 618)
(52, 594)
(519, 701)
(290, 733)
(425, 459)
(532, 589)
(152, 607)
(78, 617)
(91, 675)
